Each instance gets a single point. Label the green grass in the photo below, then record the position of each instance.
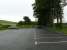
(26, 26)
(64, 30)
(30, 25)
(6, 22)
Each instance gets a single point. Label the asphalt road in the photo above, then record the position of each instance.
(21, 39)
(46, 40)
(31, 39)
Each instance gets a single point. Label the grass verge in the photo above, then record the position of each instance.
(64, 30)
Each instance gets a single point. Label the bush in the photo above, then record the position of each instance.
(5, 26)
(59, 26)
(19, 23)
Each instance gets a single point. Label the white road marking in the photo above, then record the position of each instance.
(47, 37)
(35, 38)
(36, 42)
(48, 42)
(52, 42)
(50, 34)
(63, 41)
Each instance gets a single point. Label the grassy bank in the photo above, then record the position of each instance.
(5, 24)
(64, 30)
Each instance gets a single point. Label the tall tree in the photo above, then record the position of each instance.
(47, 10)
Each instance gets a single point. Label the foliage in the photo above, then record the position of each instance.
(27, 20)
(19, 23)
(64, 30)
(5, 26)
(47, 10)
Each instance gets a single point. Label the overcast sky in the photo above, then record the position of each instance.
(14, 10)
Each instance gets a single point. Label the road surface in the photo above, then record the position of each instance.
(21, 39)
(31, 39)
(46, 40)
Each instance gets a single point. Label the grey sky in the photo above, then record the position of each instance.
(14, 10)
(65, 14)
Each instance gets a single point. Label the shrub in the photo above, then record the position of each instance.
(5, 26)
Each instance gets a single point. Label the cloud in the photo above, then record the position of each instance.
(10, 9)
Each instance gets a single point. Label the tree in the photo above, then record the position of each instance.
(27, 20)
(20, 23)
(42, 11)
(48, 10)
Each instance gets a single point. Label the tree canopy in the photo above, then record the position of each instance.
(48, 10)
(27, 19)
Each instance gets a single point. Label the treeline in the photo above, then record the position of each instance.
(47, 11)
(24, 23)
(27, 21)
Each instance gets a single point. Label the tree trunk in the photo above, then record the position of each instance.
(57, 20)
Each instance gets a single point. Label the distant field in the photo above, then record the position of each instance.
(13, 25)
(6, 22)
